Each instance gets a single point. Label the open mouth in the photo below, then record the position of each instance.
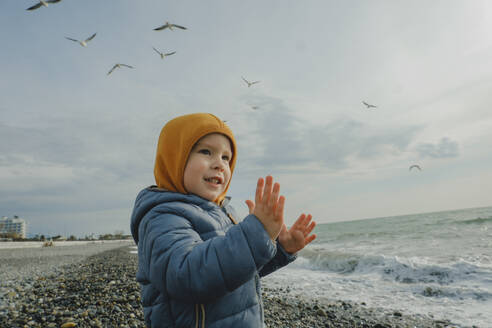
(215, 180)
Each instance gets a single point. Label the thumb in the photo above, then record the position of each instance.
(251, 206)
(283, 230)
(283, 235)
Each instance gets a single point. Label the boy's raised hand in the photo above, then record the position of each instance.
(298, 236)
(268, 206)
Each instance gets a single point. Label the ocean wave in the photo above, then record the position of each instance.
(398, 269)
(478, 220)
(319, 259)
(356, 235)
(476, 293)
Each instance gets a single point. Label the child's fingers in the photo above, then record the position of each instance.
(306, 220)
(310, 228)
(279, 211)
(272, 203)
(309, 239)
(259, 191)
(299, 222)
(267, 191)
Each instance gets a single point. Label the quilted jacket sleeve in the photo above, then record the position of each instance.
(179, 263)
(281, 259)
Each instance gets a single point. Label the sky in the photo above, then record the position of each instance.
(77, 144)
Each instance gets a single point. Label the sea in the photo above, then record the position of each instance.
(437, 264)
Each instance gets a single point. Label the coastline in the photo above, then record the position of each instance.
(39, 244)
(98, 289)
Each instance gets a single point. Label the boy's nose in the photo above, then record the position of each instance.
(219, 165)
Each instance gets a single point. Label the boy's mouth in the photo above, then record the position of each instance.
(215, 180)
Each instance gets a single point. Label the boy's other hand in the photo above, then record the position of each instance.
(298, 236)
(268, 206)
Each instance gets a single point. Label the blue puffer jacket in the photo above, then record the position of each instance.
(195, 267)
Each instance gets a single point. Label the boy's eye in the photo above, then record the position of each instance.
(226, 158)
(204, 151)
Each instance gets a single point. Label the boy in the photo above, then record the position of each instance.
(197, 267)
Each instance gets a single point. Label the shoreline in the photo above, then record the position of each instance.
(99, 290)
(285, 310)
(62, 243)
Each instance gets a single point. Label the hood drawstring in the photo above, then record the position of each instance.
(197, 316)
(232, 218)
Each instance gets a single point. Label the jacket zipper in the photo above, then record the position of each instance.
(258, 296)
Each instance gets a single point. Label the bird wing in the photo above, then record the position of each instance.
(90, 38)
(368, 105)
(71, 39)
(412, 166)
(179, 26)
(245, 80)
(170, 53)
(112, 69)
(255, 82)
(126, 65)
(157, 51)
(36, 6)
(53, 1)
(160, 27)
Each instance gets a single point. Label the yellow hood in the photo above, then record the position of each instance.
(176, 140)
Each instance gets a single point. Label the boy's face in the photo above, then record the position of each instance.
(207, 172)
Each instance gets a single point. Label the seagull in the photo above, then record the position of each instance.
(416, 166)
(169, 26)
(249, 83)
(118, 66)
(255, 107)
(163, 54)
(83, 43)
(369, 105)
(43, 3)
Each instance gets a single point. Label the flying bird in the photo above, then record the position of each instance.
(255, 107)
(118, 66)
(369, 105)
(416, 166)
(84, 42)
(43, 3)
(249, 83)
(169, 26)
(163, 54)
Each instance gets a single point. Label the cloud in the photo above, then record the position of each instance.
(70, 165)
(279, 137)
(88, 146)
(446, 148)
(40, 144)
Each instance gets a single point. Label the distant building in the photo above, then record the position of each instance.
(15, 225)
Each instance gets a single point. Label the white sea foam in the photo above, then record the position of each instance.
(437, 263)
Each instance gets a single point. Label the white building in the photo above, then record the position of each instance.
(15, 225)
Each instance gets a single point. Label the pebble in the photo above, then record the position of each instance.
(101, 291)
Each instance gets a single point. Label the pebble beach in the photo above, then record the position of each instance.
(93, 285)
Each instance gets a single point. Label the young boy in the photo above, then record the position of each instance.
(197, 266)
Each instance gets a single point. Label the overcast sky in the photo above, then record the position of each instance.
(77, 144)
